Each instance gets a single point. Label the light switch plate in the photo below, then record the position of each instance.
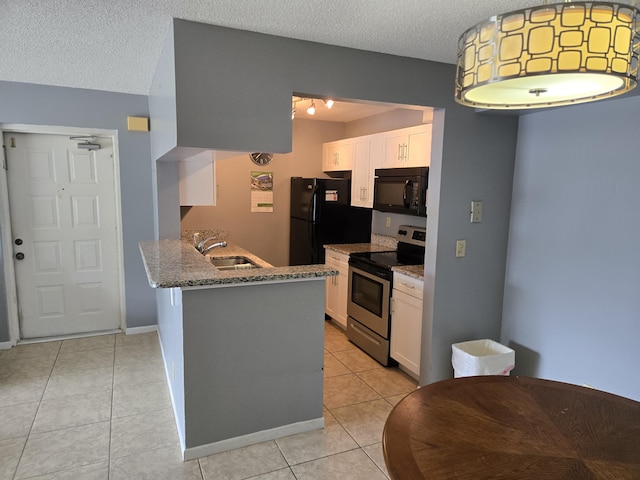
(461, 248)
(476, 211)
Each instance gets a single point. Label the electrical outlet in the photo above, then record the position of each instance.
(388, 222)
(461, 248)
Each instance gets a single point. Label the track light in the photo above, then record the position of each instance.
(328, 103)
(293, 113)
(312, 108)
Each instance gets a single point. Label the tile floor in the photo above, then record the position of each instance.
(98, 408)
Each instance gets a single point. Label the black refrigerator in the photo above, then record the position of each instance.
(321, 213)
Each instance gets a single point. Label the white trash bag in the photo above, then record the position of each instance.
(481, 357)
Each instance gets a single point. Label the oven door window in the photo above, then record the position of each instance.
(367, 293)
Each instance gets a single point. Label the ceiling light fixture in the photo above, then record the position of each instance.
(328, 103)
(312, 108)
(555, 54)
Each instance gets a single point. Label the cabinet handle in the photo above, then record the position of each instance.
(399, 152)
(366, 193)
(412, 287)
(405, 150)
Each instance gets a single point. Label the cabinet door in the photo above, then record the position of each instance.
(197, 180)
(418, 146)
(337, 288)
(330, 155)
(406, 330)
(337, 156)
(394, 149)
(361, 174)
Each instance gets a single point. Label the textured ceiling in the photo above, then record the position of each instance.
(114, 45)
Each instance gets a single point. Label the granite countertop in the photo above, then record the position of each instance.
(415, 271)
(349, 248)
(176, 263)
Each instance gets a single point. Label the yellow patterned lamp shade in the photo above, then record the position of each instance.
(551, 55)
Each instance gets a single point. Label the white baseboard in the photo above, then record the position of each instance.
(252, 438)
(5, 345)
(137, 330)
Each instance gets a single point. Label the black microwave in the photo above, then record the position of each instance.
(401, 190)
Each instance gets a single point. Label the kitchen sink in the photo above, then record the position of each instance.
(232, 263)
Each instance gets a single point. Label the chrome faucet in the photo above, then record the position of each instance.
(214, 245)
(201, 245)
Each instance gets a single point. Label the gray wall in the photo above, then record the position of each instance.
(573, 277)
(70, 107)
(223, 104)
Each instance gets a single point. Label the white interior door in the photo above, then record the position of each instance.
(63, 218)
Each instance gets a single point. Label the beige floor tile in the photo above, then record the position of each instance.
(394, 399)
(63, 383)
(144, 371)
(336, 342)
(284, 474)
(364, 421)
(142, 398)
(334, 367)
(352, 465)
(144, 432)
(148, 338)
(316, 443)
(59, 450)
(72, 411)
(28, 350)
(84, 360)
(99, 471)
(243, 463)
(22, 390)
(16, 420)
(389, 381)
(137, 353)
(88, 343)
(10, 451)
(374, 452)
(346, 390)
(356, 360)
(25, 367)
(160, 464)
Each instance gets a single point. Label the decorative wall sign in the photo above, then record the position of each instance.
(262, 191)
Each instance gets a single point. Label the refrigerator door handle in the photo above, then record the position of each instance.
(310, 217)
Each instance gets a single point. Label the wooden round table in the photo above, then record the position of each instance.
(493, 427)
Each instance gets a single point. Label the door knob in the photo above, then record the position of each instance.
(18, 241)
(19, 256)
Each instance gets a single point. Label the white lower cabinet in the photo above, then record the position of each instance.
(337, 287)
(406, 321)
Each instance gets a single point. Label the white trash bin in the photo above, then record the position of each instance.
(481, 357)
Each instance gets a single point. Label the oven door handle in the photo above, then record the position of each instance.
(361, 331)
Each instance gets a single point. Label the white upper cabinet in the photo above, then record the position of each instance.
(408, 147)
(337, 156)
(197, 179)
(368, 155)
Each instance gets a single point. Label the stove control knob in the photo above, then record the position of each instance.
(402, 232)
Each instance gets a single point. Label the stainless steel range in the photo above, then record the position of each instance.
(370, 283)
